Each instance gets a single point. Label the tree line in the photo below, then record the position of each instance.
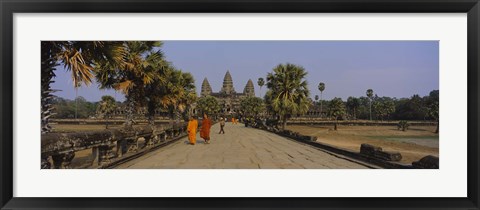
(288, 96)
(416, 107)
(65, 108)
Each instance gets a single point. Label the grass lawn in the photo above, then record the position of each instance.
(413, 144)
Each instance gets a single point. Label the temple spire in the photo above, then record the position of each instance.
(206, 89)
(249, 89)
(227, 87)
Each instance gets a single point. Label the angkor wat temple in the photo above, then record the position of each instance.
(228, 98)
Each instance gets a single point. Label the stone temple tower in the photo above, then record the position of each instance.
(227, 87)
(228, 99)
(206, 89)
(249, 90)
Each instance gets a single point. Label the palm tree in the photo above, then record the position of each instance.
(141, 66)
(370, 96)
(268, 99)
(79, 57)
(288, 91)
(261, 83)
(156, 93)
(76, 101)
(106, 107)
(178, 94)
(321, 88)
(189, 95)
(336, 109)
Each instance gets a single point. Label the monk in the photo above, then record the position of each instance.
(222, 124)
(205, 130)
(192, 130)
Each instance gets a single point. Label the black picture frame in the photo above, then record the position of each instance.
(9, 7)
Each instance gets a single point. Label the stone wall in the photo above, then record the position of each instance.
(107, 147)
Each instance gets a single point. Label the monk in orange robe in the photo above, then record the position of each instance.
(192, 130)
(205, 130)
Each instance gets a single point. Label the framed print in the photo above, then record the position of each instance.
(239, 105)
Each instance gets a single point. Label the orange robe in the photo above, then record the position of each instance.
(192, 131)
(205, 130)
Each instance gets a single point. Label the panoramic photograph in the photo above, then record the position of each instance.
(239, 104)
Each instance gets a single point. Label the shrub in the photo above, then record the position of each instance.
(403, 124)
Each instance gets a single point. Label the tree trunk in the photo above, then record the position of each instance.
(129, 113)
(354, 114)
(370, 109)
(438, 127)
(172, 115)
(151, 114)
(106, 123)
(76, 101)
(178, 116)
(321, 104)
(284, 124)
(47, 73)
(335, 126)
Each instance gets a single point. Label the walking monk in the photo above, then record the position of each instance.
(222, 124)
(192, 130)
(205, 130)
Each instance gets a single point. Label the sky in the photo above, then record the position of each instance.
(348, 68)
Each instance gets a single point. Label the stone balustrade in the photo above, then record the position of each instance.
(58, 149)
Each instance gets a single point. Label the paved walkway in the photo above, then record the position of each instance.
(239, 148)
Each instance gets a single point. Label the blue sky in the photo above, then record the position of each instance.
(348, 68)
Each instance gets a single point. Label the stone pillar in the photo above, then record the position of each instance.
(132, 144)
(163, 136)
(120, 147)
(105, 153)
(95, 156)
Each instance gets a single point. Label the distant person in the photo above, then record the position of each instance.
(192, 130)
(222, 124)
(205, 130)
